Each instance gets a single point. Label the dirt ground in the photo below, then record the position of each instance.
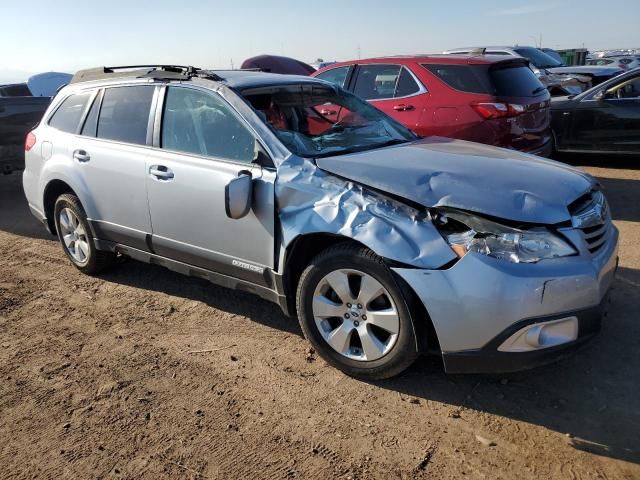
(99, 379)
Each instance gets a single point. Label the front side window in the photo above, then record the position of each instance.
(204, 124)
(68, 115)
(627, 89)
(124, 115)
(317, 120)
(337, 76)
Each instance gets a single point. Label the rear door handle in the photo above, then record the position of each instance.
(161, 172)
(81, 156)
(402, 107)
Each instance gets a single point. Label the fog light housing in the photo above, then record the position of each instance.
(542, 335)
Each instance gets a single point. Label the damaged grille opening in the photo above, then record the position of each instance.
(595, 236)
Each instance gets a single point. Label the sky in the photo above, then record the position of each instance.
(66, 35)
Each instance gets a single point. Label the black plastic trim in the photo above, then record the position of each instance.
(489, 360)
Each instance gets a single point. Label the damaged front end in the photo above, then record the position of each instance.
(565, 84)
(311, 200)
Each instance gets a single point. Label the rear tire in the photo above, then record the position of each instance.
(354, 314)
(75, 236)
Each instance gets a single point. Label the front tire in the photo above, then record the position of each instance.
(354, 314)
(75, 236)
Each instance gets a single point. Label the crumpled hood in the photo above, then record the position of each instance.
(587, 70)
(470, 176)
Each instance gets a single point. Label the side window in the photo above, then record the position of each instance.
(90, 126)
(337, 76)
(407, 85)
(203, 124)
(376, 82)
(466, 78)
(67, 116)
(124, 114)
(628, 89)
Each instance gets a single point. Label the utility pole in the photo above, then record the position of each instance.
(232, 64)
(359, 52)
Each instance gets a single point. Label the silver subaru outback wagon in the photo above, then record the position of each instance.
(384, 245)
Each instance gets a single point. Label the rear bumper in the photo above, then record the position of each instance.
(545, 150)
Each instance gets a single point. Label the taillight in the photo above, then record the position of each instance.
(29, 142)
(497, 110)
(622, 66)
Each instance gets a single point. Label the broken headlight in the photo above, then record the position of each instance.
(469, 233)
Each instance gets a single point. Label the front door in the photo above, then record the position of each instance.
(204, 144)
(611, 123)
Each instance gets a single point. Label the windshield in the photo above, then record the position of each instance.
(537, 57)
(319, 120)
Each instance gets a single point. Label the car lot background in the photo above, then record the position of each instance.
(143, 373)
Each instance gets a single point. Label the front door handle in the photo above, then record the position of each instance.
(160, 172)
(81, 156)
(402, 107)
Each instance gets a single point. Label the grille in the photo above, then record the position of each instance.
(597, 236)
(592, 217)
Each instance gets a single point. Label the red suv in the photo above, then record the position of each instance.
(482, 98)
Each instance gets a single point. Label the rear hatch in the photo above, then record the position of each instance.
(530, 120)
(508, 96)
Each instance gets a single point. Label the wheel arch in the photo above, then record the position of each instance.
(303, 248)
(52, 191)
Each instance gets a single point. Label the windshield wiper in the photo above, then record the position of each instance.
(538, 90)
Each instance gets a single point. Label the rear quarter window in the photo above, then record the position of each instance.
(67, 116)
(499, 80)
(466, 78)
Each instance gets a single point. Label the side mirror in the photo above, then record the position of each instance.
(600, 95)
(238, 195)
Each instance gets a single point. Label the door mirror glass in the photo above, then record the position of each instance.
(238, 195)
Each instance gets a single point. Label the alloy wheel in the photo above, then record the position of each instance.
(74, 236)
(355, 315)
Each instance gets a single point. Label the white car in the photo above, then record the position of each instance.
(626, 62)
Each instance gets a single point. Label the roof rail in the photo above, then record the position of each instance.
(478, 51)
(168, 72)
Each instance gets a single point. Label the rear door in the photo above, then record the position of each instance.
(110, 156)
(391, 88)
(200, 145)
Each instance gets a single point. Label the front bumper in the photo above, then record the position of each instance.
(480, 301)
